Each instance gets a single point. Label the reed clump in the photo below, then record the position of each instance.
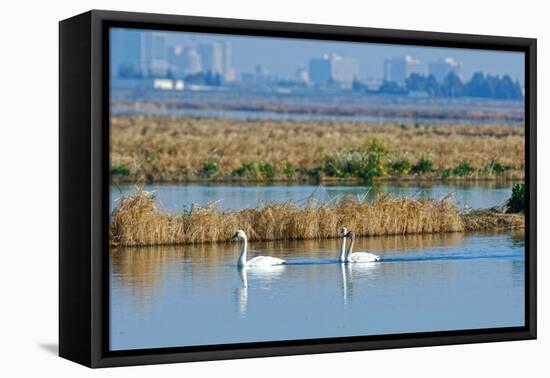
(137, 221)
(484, 220)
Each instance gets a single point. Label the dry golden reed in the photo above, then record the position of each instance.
(137, 221)
(480, 220)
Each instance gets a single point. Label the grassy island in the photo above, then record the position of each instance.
(158, 149)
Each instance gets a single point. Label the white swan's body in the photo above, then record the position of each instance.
(359, 257)
(256, 261)
(264, 261)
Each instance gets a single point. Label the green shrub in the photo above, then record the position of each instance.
(120, 170)
(447, 172)
(266, 170)
(209, 169)
(400, 166)
(365, 162)
(344, 163)
(516, 203)
(463, 169)
(423, 165)
(375, 151)
(246, 170)
(493, 167)
(288, 169)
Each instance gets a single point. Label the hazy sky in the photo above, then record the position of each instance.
(283, 56)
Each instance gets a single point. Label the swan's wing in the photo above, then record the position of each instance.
(363, 257)
(264, 260)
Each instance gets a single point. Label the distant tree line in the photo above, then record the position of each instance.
(480, 85)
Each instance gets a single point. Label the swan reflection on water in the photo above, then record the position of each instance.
(260, 276)
(352, 274)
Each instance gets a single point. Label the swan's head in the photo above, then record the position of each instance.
(239, 235)
(343, 231)
(350, 234)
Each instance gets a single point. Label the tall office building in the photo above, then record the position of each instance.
(154, 57)
(302, 75)
(398, 69)
(344, 70)
(193, 62)
(333, 68)
(441, 68)
(212, 57)
(126, 52)
(138, 54)
(229, 72)
(176, 61)
(320, 70)
(183, 61)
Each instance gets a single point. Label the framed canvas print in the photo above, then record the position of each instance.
(234, 188)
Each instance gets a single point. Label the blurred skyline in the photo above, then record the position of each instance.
(284, 56)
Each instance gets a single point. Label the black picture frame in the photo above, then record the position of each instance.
(84, 187)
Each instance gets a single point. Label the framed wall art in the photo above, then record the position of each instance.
(234, 188)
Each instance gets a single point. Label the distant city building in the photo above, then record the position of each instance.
(333, 68)
(176, 62)
(154, 54)
(212, 57)
(126, 53)
(184, 61)
(441, 68)
(168, 84)
(302, 75)
(344, 70)
(320, 70)
(216, 58)
(138, 54)
(260, 76)
(229, 72)
(398, 69)
(192, 61)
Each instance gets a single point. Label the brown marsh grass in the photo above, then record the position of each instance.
(137, 221)
(170, 149)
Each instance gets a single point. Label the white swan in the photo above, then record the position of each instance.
(342, 255)
(358, 257)
(256, 261)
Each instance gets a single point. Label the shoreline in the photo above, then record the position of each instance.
(118, 180)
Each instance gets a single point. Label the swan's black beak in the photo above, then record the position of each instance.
(234, 237)
(348, 235)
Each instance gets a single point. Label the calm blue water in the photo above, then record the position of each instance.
(196, 295)
(227, 103)
(174, 198)
(262, 115)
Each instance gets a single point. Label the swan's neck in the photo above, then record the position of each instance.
(342, 256)
(242, 257)
(350, 248)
